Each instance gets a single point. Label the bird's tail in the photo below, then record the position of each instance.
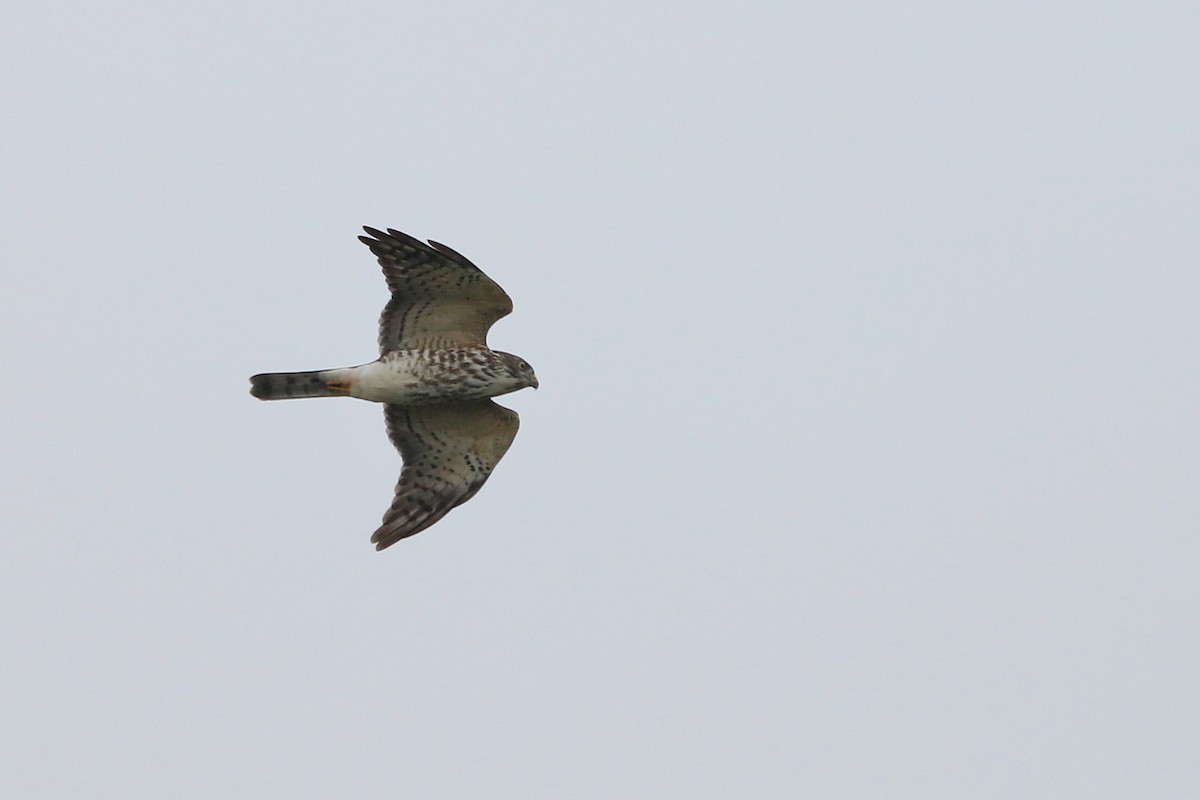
(286, 385)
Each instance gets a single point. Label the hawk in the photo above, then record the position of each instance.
(435, 376)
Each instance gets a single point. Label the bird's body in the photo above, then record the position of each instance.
(404, 377)
(435, 375)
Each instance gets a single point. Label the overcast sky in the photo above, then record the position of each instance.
(865, 462)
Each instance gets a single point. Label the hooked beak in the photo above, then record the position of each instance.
(535, 382)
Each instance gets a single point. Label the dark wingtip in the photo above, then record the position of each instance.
(391, 237)
(451, 253)
(401, 236)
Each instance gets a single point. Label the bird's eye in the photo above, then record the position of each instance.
(523, 365)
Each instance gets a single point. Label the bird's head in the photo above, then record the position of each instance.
(519, 368)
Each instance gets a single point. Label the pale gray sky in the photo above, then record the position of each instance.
(865, 461)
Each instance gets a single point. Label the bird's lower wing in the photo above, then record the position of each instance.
(449, 450)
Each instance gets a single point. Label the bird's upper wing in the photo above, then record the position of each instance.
(440, 300)
(448, 450)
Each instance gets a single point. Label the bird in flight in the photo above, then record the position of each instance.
(435, 376)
